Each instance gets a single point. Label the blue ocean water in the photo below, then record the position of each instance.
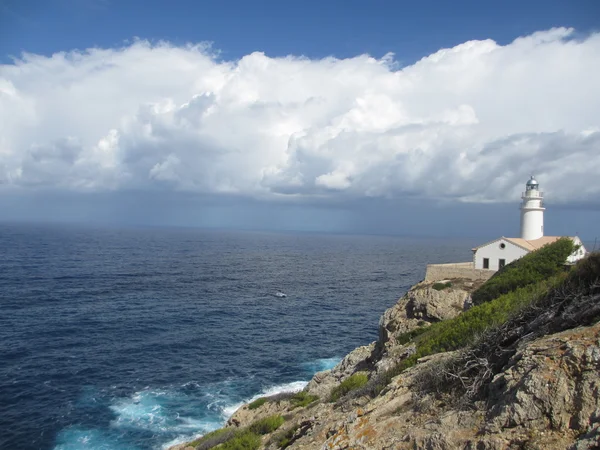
(140, 338)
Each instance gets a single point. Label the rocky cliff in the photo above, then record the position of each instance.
(541, 392)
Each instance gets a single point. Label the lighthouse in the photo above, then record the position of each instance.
(532, 211)
(496, 254)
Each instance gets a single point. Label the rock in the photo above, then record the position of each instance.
(184, 446)
(546, 398)
(323, 382)
(553, 382)
(421, 306)
(244, 416)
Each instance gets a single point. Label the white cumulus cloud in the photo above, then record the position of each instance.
(468, 123)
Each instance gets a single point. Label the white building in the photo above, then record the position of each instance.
(496, 254)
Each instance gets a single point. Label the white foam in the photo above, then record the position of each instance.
(326, 363)
(144, 410)
(158, 411)
(75, 438)
(141, 410)
(295, 386)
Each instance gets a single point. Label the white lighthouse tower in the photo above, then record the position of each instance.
(532, 211)
(496, 254)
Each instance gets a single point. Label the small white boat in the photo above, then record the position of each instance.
(280, 294)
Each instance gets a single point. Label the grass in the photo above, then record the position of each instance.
(530, 269)
(518, 286)
(441, 286)
(351, 383)
(248, 438)
(266, 425)
(461, 331)
(405, 338)
(302, 399)
(257, 403)
(212, 439)
(245, 440)
(285, 438)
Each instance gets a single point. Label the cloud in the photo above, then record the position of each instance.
(467, 123)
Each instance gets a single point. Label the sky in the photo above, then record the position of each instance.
(412, 118)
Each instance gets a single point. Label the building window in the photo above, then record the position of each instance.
(501, 263)
(502, 245)
(486, 263)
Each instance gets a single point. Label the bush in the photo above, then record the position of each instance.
(461, 331)
(351, 383)
(441, 286)
(266, 425)
(531, 268)
(405, 338)
(452, 334)
(232, 439)
(212, 439)
(303, 398)
(257, 403)
(571, 303)
(245, 440)
(285, 439)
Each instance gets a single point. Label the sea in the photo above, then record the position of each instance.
(141, 338)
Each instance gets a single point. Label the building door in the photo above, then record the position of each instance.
(501, 263)
(486, 263)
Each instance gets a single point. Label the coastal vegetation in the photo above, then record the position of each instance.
(351, 383)
(285, 439)
(534, 267)
(525, 300)
(302, 399)
(518, 286)
(212, 439)
(248, 438)
(266, 425)
(441, 286)
(245, 440)
(257, 403)
(297, 399)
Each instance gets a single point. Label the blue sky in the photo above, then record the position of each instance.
(343, 28)
(298, 116)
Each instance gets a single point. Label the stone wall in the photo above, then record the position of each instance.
(437, 272)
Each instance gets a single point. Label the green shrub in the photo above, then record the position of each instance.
(456, 333)
(404, 338)
(531, 268)
(351, 383)
(212, 439)
(303, 398)
(441, 286)
(571, 303)
(380, 382)
(257, 403)
(245, 440)
(266, 425)
(461, 331)
(284, 439)
(232, 439)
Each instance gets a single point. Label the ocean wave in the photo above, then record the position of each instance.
(178, 413)
(318, 365)
(159, 411)
(78, 438)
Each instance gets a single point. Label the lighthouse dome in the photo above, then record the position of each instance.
(532, 183)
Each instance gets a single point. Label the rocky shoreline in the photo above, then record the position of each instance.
(546, 397)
